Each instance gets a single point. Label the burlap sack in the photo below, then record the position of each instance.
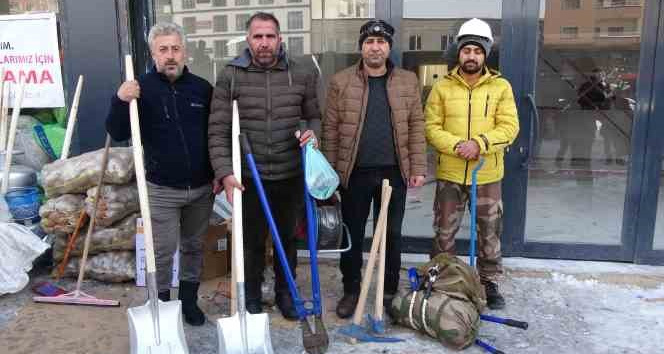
(118, 237)
(80, 173)
(115, 202)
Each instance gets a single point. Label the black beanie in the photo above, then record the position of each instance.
(377, 28)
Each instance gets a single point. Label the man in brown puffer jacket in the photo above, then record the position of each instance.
(373, 130)
(273, 95)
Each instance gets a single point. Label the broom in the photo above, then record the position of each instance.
(78, 297)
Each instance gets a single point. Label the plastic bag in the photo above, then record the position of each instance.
(115, 202)
(322, 180)
(80, 173)
(19, 247)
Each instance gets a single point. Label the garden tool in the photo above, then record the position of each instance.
(254, 329)
(155, 327)
(78, 297)
(376, 323)
(71, 121)
(355, 330)
(314, 334)
(16, 111)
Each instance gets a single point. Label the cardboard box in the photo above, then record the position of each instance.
(140, 258)
(216, 252)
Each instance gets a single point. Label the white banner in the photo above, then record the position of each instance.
(29, 53)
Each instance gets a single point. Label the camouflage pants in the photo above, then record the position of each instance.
(449, 207)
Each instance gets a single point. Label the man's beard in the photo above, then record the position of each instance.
(468, 69)
(265, 58)
(172, 74)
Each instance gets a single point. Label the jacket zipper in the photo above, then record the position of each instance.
(358, 134)
(268, 125)
(486, 107)
(179, 126)
(470, 109)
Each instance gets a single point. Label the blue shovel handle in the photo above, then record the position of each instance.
(506, 321)
(488, 347)
(473, 211)
(276, 239)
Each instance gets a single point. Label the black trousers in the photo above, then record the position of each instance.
(284, 197)
(364, 187)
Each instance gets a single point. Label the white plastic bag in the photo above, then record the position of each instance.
(322, 180)
(19, 247)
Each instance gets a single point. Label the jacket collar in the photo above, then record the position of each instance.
(244, 60)
(359, 69)
(489, 74)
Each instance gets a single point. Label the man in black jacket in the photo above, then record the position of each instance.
(173, 108)
(273, 95)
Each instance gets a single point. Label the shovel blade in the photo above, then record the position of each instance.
(142, 336)
(258, 334)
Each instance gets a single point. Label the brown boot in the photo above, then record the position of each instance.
(346, 306)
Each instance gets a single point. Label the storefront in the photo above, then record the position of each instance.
(581, 182)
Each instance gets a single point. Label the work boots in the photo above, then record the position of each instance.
(347, 304)
(188, 294)
(494, 300)
(286, 306)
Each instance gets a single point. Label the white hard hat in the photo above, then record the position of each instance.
(475, 27)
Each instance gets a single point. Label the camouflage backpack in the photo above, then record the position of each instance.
(446, 305)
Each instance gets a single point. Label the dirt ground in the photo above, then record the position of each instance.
(574, 307)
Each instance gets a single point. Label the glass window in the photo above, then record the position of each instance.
(265, 2)
(293, 1)
(415, 42)
(571, 4)
(188, 4)
(585, 92)
(296, 46)
(569, 32)
(242, 2)
(220, 23)
(219, 3)
(295, 20)
(241, 22)
(189, 25)
(445, 41)
(220, 49)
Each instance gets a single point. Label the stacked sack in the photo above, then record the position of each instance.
(70, 186)
(447, 304)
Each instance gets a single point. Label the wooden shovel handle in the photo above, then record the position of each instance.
(139, 166)
(380, 284)
(12, 136)
(375, 243)
(71, 121)
(82, 218)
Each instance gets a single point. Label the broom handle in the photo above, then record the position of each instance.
(71, 121)
(93, 216)
(375, 243)
(380, 284)
(137, 147)
(12, 136)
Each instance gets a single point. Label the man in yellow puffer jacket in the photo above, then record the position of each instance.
(471, 113)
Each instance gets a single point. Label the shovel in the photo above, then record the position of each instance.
(254, 336)
(155, 327)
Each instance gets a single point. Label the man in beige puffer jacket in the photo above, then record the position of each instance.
(373, 129)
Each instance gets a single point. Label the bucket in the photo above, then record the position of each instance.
(24, 203)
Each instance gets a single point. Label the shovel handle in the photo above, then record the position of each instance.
(380, 284)
(71, 121)
(375, 244)
(505, 321)
(139, 166)
(238, 236)
(12, 136)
